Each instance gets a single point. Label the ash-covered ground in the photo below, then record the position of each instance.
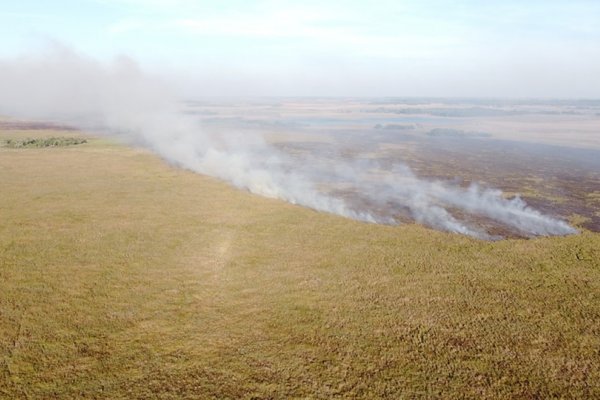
(545, 152)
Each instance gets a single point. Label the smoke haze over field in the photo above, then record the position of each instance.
(119, 99)
(433, 48)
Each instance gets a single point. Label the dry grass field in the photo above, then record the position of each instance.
(123, 277)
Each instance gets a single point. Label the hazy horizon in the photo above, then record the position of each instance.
(434, 49)
(123, 67)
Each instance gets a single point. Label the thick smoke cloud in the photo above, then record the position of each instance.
(120, 100)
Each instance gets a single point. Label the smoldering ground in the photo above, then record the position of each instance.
(120, 100)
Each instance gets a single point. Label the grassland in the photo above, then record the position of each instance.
(123, 277)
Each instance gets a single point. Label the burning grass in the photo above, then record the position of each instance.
(121, 277)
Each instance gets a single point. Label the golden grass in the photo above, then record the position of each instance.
(122, 277)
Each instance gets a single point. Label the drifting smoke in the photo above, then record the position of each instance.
(119, 99)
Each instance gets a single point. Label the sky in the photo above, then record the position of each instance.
(468, 48)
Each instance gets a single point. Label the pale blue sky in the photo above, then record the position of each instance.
(414, 48)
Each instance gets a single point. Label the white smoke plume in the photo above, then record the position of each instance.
(119, 99)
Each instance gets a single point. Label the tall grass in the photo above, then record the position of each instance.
(121, 277)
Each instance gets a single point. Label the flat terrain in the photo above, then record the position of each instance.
(548, 152)
(123, 277)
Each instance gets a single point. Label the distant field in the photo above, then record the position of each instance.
(123, 277)
(567, 123)
(546, 151)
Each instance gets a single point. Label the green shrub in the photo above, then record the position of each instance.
(42, 142)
